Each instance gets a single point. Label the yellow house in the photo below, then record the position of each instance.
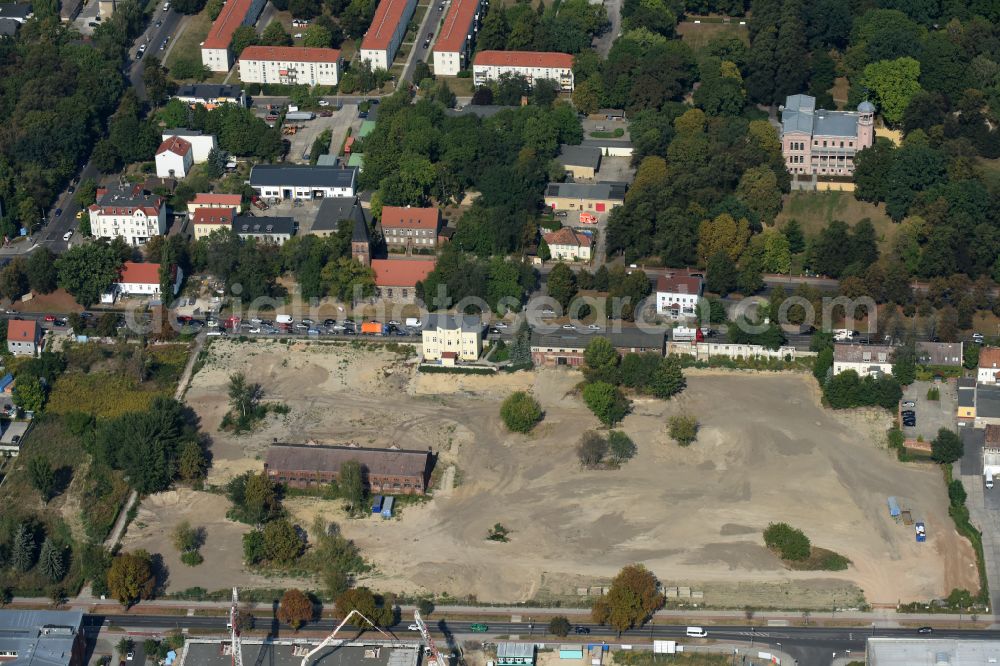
(207, 220)
(966, 399)
(447, 337)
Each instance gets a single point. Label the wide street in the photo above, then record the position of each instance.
(808, 645)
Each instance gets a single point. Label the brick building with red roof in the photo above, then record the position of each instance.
(396, 279)
(410, 228)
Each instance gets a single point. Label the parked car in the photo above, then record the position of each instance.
(907, 413)
(500, 324)
(978, 338)
(324, 102)
(909, 403)
(561, 213)
(68, 235)
(925, 630)
(593, 327)
(413, 627)
(50, 318)
(58, 212)
(569, 327)
(479, 627)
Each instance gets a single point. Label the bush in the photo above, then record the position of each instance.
(621, 446)
(683, 429)
(591, 449)
(946, 447)
(192, 558)
(606, 401)
(933, 393)
(559, 626)
(788, 542)
(520, 412)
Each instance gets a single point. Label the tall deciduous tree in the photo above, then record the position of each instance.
(632, 600)
(130, 578)
(43, 478)
(893, 83)
(295, 609)
(352, 485)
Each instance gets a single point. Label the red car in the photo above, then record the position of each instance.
(50, 318)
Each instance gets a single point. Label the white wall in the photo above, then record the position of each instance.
(306, 73)
(167, 162)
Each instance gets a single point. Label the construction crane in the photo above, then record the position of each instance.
(234, 630)
(428, 641)
(329, 639)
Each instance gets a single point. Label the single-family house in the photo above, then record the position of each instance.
(677, 294)
(396, 279)
(567, 243)
(206, 221)
(201, 144)
(24, 337)
(457, 335)
(174, 158)
(863, 359)
(989, 366)
(142, 279)
(211, 200)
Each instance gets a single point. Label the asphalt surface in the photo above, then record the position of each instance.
(809, 645)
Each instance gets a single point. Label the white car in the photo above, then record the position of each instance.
(500, 324)
(68, 235)
(593, 327)
(255, 329)
(298, 35)
(569, 327)
(324, 102)
(414, 627)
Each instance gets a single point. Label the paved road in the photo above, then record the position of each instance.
(431, 17)
(603, 43)
(809, 645)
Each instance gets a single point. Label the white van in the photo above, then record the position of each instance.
(695, 632)
(989, 481)
(413, 322)
(284, 319)
(68, 235)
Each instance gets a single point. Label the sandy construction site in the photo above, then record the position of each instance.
(766, 452)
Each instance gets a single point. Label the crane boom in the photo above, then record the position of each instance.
(236, 646)
(426, 635)
(329, 639)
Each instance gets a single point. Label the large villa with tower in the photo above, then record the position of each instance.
(823, 143)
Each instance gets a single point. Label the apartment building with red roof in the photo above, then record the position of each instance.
(206, 221)
(456, 37)
(386, 32)
(212, 200)
(678, 292)
(532, 65)
(129, 213)
(291, 65)
(215, 53)
(174, 158)
(406, 228)
(396, 279)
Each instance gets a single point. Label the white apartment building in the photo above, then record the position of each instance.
(130, 214)
(290, 65)
(863, 359)
(677, 295)
(455, 40)
(533, 65)
(566, 243)
(215, 53)
(286, 181)
(174, 158)
(201, 144)
(386, 32)
(459, 337)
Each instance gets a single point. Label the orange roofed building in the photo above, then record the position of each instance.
(386, 32)
(532, 65)
(141, 279)
(290, 65)
(215, 53)
(396, 279)
(408, 227)
(215, 201)
(454, 42)
(24, 337)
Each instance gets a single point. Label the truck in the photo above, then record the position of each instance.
(685, 334)
(587, 218)
(283, 319)
(300, 115)
(373, 328)
(377, 504)
(921, 532)
(348, 145)
(843, 334)
(255, 200)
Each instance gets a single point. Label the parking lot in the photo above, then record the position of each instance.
(302, 141)
(932, 415)
(304, 212)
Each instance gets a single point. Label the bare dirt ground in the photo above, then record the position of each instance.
(766, 452)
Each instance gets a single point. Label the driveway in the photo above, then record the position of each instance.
(603, 43)
(932, 415)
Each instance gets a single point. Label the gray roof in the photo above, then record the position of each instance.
(987, 401)
(508, 650)
(625, 339)
(931, 651)
(801, 115)
(129, 196)
(8, 27)
(208, 91)
(19, 11)
(611, 143)
(973, 440)
(866, 107)
(181, 131)
(278, 175)
(204, 652)
(966, 392)
(260, 226)
(335, 209)
(877, 354)
(468, 323)
(327, 160)
(40, 638)
(613, 191)
(585, 156)
(298, 457)
(939, 353)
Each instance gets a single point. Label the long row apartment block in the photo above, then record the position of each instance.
(533, 65)
(386, 32)
(215, 53)
(290, 65)
(457, 36)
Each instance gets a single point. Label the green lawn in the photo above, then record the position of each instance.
(697, 35)
(814, 210)
(188, 44)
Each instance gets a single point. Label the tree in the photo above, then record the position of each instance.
(51, 561)
(282, 543)
(352, 485)
(43, 478)
(186, 538)
(683, 429)
(22, 550)
(796, 240)
(29, 394)
(722, 234)
(191, 462)
(362, 600)
(13, 280)
(631, 601)
(86, 271)
(904, 365)
(621, 447)
(602, 360)
(759, 190)
(788, 542)
(130, 578)
(41, 270)
(947, 447)
(544, 253)
(274, 35)
(722, 276)
(559, 626)
(592, 448)
(668, 379)
(893, 83)
(295, 609)
(254, 498)
(243, 37)
(318, 36)
(562, 284)
(606, 401)
(520, 412)
(243, 396)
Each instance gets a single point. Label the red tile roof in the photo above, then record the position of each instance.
(679, 284)
(395, 217)
(387, 18)
(525, 59)
(567, 236)
(400, 272)
(989, 357)
(21, 330)
(175, 144)
(230, 18)
(233, 200)
(135, 273)
(221, 216)
(456, 26)
(290, 54)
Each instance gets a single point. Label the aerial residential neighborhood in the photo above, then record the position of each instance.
(458, 332)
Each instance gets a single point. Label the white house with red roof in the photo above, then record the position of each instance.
(677, 294)
(129, 213)
(211, 200)
(386, 32)
(532, 65)
(24, 337)
(141, 279)
(174, 158)
(201, 144)
(291, 65)
(566, 243)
